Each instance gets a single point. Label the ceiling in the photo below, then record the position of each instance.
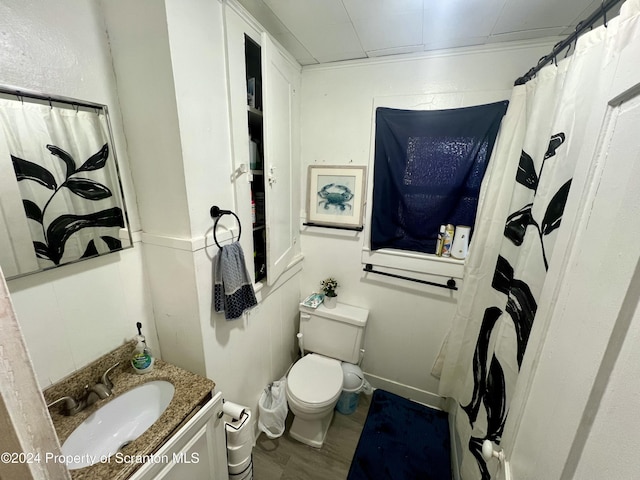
(322, 31)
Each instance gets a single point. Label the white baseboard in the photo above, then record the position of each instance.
(421, 396)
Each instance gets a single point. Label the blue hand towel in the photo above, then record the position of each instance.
(232, 287)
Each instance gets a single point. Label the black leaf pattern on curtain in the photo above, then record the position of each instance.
(526, 174)
(553, 217)
(61, 228)
(97, 160)
(522, 307)
(516, 227)
(26, 170)
(495, 401)
(42, 250)
(555, 209)
(502, 276)
(491, 316)
(91, 250)
(489, 387)
(94, 162)
(555, 142)
(112, 243)
(65, 157)
(32, 210)
(87, 188)
(64, 226)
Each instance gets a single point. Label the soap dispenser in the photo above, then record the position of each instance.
(142, 359)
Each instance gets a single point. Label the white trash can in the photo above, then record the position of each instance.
(353, 381)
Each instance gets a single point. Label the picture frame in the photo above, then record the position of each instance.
(336, 196)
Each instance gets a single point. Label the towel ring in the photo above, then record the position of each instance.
(218, 213)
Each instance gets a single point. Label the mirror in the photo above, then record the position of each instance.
(61, 198)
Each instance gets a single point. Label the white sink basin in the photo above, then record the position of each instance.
(117, 423)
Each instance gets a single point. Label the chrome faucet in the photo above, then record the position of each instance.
(99, 391)
(96, 392)
(71, 406)
(102, 389)
(105, 380)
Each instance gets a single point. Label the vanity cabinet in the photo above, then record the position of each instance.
(263, 99)
(196, 450)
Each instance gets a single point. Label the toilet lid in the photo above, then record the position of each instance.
(315, 379)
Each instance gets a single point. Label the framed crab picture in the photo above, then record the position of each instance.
(336, 196)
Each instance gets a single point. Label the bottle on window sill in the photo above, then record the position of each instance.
(460, 245)
(439, 241)
(447, 240)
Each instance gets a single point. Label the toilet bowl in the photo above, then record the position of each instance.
(314, 385)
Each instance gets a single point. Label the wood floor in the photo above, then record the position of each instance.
(287, 459)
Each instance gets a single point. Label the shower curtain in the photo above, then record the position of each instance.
(521, 208)
(55, 185)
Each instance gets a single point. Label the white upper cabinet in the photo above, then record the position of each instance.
(263, 85)
(280, 83)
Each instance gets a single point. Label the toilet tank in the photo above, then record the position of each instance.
(337, 332)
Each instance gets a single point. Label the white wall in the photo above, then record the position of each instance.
(142, 63)
(71, 315)
(612, 445)
(408, 322)
(241, 356)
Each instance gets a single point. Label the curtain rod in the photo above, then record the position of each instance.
(560, 46)
(20, 92)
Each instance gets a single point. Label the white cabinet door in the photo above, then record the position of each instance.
(197, 450)
(280, 134)
(236, 29)
(281, 80)
(192, 462)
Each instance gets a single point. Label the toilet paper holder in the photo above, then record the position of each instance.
(234, 410)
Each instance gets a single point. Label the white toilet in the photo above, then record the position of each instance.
(314, 383)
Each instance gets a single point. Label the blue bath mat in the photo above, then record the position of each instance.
(402, 440)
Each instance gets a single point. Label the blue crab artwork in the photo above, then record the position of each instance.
(336, 196)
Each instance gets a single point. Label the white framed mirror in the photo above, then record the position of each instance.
(61, 198)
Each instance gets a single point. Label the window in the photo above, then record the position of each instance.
(428, 168)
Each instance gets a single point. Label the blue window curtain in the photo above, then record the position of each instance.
(428, 168)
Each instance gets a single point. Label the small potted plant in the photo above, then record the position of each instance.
(329, 286)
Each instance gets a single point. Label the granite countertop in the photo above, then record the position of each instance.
(191, 391)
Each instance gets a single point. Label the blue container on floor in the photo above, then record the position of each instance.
(348, 402)
(353, 381)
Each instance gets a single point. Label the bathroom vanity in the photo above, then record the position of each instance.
(195, 450)
(186, 441)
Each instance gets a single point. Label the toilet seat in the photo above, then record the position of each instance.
(315, 380)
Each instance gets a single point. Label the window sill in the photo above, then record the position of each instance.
(421, 263)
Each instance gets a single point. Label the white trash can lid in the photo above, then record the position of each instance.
(353, 376)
